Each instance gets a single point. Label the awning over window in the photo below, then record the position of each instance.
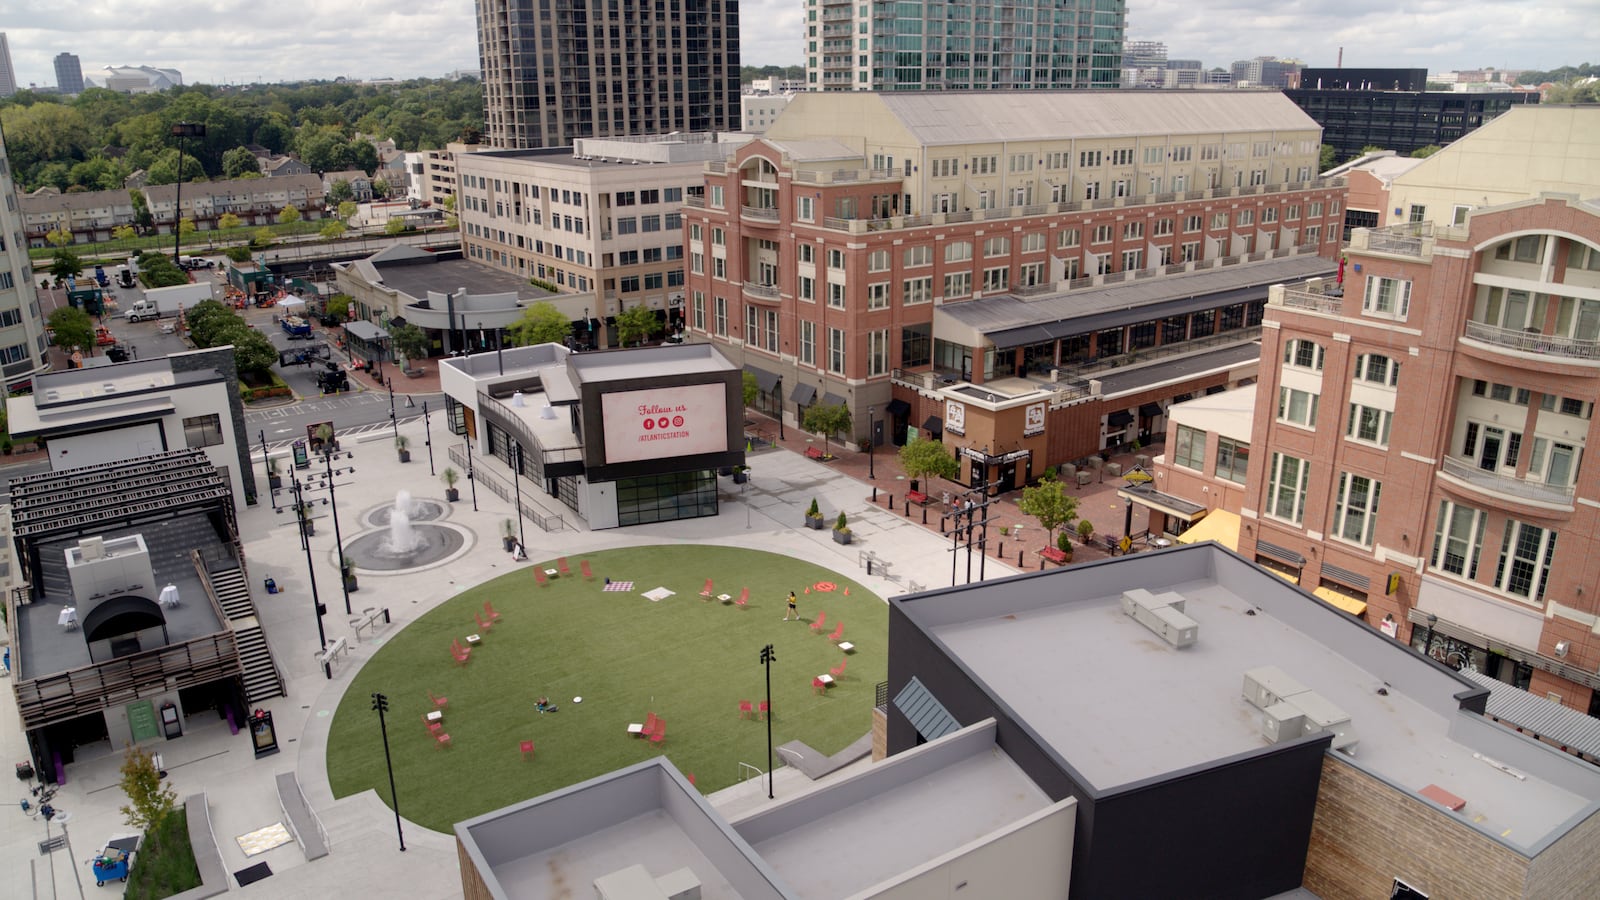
(1339, 601)
(898, 407)
(397, 321)
(926, 713)
(832, 400)
(1219, 525)
(362, 330)
(1120, 419)
(765, 380)
(1150, 410)
(803, 394)
(934, 424)
(1177, 507)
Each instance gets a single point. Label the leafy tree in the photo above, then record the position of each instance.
(238, 161)
(98, 174)
(65, 264)
(750, 388)
(924, 458)
(289, 215)
(253, 354)
(164, 170)
(348, 209)
(450, 203)
(59, 237)
(1328, 159)
(827, 420)
(409, 341)
(380, 188)
(71, 329)
(156, 269)
(1049, 502)
(207, 320)
(262, 239)
(238, 254)
(229, 220)
(636, 324)
(338, 306)
(150, 801)
(332, 230)
(185, 227)
(275, 133)
(1425, 152)
(341, 191)
(395, 226)
(124, 232)
(1370, 148)
(540, 323)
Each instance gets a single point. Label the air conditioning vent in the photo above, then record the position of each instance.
(1162, 614)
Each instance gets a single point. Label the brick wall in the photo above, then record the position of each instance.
(1567, 868)
(1366, 833)
(472, 886)
(880, 735)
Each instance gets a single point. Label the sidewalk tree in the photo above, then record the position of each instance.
(185, 227)
(253, 354)
(288, 215)
(149, 800)
(339, 306)
(380, 189)
(71, 329)
(394, 226)
(58, 237)
(409, 341)
(229, 220)
(1049, 502)
(348, 209)
(65, 264)
(636, 324)
(208, 319)
(751, 389)
(541, 323)
(826, 421)
(924, 459)
(237, 253)
(124, 233)
(332, 230)
(341, 191)
(262, 239)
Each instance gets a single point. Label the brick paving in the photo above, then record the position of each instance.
(1098, 501)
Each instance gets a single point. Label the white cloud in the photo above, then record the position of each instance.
(232, 41)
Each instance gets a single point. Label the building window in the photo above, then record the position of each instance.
(1132, 230)
(1375, 368)
(1191, 224)
(984, 165)
(916, 345)
(997, 279)
(957, 284)
(1297, 407)
(1554, 463)
(808, 343)
(719, 268)
(1191, 450)
(806, 209)
(1233, 460)
(1286, 487)
(719, 237)
(1525, 555)
(957, 251)
(913, 257)
(1355, 511)
(1387, 297)
(997, 246)
(808, 288)
(1033, 242)
(716, 196)
(1067, 237)
(836, 295)
(1417, 213)
(878, 295)
(722, 316)
(1369, 424)
(1458, 539)
(878, 261)
(699, 311)
(917, 290)
(202, 431)
(836, 351)
(1163, 228)
(877, 352)
(1246, 217)
(1089, 159)
(1303, 353)
(1102, 234)
(1030, 275)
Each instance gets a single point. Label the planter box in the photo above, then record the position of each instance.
(405, 456)
(814, 522)
(741, 477)
(841, 537)
(451, 495)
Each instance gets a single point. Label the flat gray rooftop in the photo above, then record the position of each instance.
(651, 839)
(647, 362)
(447, 276)
(1131, 380)
(1120, 705)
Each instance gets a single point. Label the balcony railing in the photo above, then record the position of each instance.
(1413, 239)
(1467, 470)
(763, 213)
(1311, 301)
(761, 291)
(1534, 342)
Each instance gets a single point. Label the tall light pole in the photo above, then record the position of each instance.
(471, 480)
(516, 477)
(394, 422)
(872, 442)
(381, 704)
(296, 490)
(427, 441)
(181, 130)
(333, 504)
(767, 656)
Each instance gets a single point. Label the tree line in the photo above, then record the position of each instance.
(93, 141)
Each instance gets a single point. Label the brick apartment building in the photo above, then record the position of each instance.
(828, 255)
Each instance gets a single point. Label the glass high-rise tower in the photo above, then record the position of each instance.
(1000, 45)
(556, 70)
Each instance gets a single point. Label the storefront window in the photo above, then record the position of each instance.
(666, 498)
(1109, 342)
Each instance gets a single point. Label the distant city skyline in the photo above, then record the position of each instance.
(298, 39)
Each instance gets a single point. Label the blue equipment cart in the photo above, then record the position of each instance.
(113, 862)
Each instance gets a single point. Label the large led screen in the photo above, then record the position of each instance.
(665, 422)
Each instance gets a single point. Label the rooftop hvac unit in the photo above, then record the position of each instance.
(92, 548)
(1268, 685)
(1162, 614)
(1282, 722)
(1322, 716)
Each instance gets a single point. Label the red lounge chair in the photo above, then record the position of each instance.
(561, 566)
(744, 598)
(538, 575)
(706, 591)
(820, 623)
(433, 727)
(482, 625)
(660, 732)
(583, 567)
(763, 709)
(527, 749)
(744, 709)
(837, 671)
(650, 723)
(461, 654)
(441, 740)
(488, 610)
(438, 702)
(691, 780)
(838, 633)
(817, 685)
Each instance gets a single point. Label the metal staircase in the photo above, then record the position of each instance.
(262, 679)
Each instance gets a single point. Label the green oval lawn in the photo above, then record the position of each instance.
(685, 658)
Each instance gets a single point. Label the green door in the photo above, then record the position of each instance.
(142, 721)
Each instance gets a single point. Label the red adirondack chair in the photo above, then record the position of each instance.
(817, 685)
(763, 709)
(838, 633)
(744, 709)
(461, 654)
(583, 567)
(441, 740)
(819, 624)
(527, 749)
(706, 591)
(433, 727)
(561, 566)
(660, 732)
(650, 723)
(539, 576)
(482, 625)
(488, 610)
(837, 671)
(744, 598)
(438, 702)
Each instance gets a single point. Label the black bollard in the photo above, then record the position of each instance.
(874, 494)
(1002, 551)
(1019, 559)
(1041, 565)
(924, 515)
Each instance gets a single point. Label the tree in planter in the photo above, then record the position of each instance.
(274, 479)
(508, 534)
(71, 329)
(325, 438)
(841, 529)
(401, 444)
(149, 801)
(450, 476)
(541, 323)
(750, 389)
(1064, 544)
(827, 420)
(1085, 531)
(409, 341)
(814, 515)
(923, 459)
(1048, 502)
(636, 324)
(347, 570)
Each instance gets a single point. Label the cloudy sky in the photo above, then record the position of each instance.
(231, 41)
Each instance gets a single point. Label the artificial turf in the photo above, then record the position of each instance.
(687, 659)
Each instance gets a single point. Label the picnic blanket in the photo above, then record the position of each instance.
(659, 594)
(618, 586)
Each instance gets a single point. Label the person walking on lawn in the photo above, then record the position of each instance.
(794, 608)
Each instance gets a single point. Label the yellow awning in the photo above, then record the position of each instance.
(1292, 579)
(1219, 525)
(1349, 604)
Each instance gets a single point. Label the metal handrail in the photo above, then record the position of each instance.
(1533, 341)
(1468, 470)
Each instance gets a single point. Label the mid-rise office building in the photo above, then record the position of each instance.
(69, 73)
(1398, 120)
(8, 75)
(598, 69)
(1010, 45)
(23, 345)
(1266, 71)
(761, 110)
(1420, 434)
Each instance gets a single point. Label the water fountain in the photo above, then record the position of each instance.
(405, 538)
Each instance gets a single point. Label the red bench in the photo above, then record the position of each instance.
(814, 453)
(1055, 555)
(917, 497)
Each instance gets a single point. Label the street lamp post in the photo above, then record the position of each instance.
(777, 390)
(394, 422)
(516, 477)
(767, 656)
(427, 441)
(296, 490)
(381, 704)
(872, 435)
(338, 539)
(181, 130)
(471, 480)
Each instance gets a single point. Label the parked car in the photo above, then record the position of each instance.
(195, 262)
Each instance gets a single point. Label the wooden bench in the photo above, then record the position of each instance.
(917, 497)
(1054, 554)
(815, 453)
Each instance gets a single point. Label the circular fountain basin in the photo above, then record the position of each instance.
(375, 552)
(421, 510)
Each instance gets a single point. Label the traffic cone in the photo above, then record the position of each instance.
(847, 592)
(808, 589)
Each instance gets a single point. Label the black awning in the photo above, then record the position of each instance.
(122, 615)
(833, 400)
(1119, 418)
(1150, 410)
(803, 394)
(934, 424)
(765, 380)
(1025, 336)
(397, 321)
(898, 407)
